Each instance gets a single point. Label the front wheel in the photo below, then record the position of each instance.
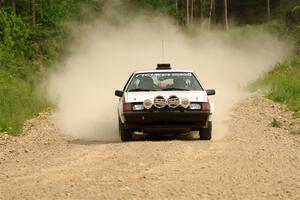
(125, 133)
(205, 133)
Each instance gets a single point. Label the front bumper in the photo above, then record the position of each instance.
(177, 119)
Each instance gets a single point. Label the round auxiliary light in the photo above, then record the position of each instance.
(173, 101)
(159, 102)
(147, 104)
(185, 103)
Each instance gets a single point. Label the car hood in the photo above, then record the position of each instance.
(193, 96)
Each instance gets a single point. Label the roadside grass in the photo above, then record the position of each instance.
(283, 84)
(18, 103)
(295, 132)
(296, 114)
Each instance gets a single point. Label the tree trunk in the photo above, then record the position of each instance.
(268, 10)
(201, 10)
(40, 8)
(192, 11)
(212, 5)
(33, 12)
(226, 14)
(187, 12)
(176, 4)
(14, 6)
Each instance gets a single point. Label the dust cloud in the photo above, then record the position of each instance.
(107, 53)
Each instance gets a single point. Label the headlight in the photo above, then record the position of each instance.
(138, 107)
(185, 103)
(147, 104)
(195, 106)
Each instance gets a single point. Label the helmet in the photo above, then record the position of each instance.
(147, 83)
(179, 83)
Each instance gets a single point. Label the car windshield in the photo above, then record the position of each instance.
(166, 81)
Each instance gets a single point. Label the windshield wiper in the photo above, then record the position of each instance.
(140, 90)
(172, 89)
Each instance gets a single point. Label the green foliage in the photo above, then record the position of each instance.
(26, 51)
(13, 32)
(18, 103)
(15, 45)
(164, 6)
(52, 33)
(275, 27)
(284, 83)
(296, 9)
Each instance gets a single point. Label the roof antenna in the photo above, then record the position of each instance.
(163, 50)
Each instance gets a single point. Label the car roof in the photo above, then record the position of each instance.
(167, 70)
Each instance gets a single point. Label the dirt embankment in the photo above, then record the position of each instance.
(256, 161)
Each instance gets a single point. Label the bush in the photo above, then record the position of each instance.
(284, 83)
(16, 48)
(18, 103)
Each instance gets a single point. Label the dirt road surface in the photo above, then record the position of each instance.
(255, 161)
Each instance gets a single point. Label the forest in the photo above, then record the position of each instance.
(34, 37)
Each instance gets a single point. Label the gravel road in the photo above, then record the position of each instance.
(254, 161)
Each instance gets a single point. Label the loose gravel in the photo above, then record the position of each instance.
(254, 161)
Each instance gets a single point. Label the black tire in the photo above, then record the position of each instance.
(205, 133)
(125, 133)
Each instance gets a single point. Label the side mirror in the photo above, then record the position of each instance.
(210, 92)
(119, 93)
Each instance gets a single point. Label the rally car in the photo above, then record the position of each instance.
(164, 101)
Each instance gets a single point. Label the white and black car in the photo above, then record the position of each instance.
(164, 101)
